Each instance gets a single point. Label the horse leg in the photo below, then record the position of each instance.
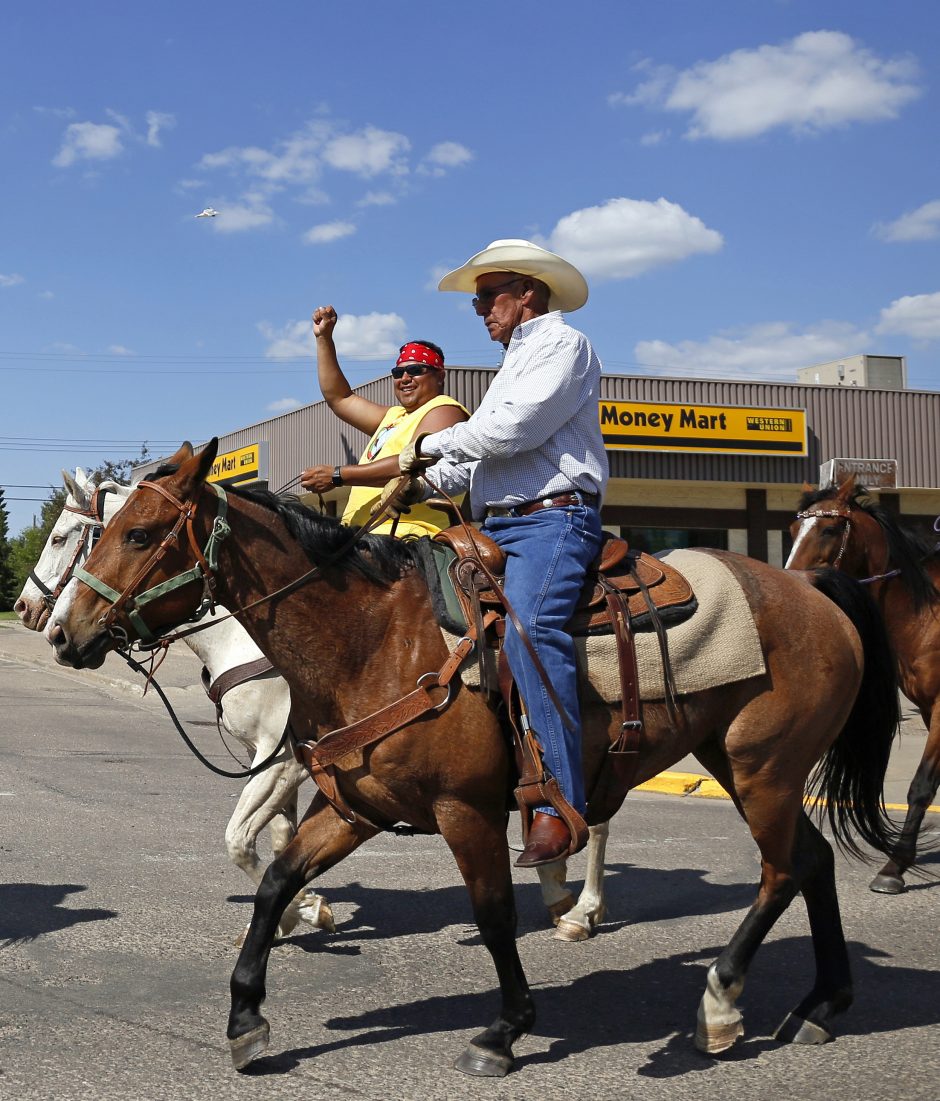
(719, 1020)
(323, 839)
(814, 869)
(479, 847)
(261, 803)
(890, 880)
(578, 923)
(313, 908)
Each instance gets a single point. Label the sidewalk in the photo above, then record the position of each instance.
(179, 677)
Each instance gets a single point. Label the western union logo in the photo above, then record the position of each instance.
(242, 466)
(646, 426)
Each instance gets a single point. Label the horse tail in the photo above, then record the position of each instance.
(850, 777)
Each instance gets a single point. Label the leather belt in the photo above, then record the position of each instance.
(560, 500)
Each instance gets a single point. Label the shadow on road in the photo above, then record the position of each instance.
(29, 910)
(645, 1004)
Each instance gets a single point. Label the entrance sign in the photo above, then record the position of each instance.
(719, 429)
(871, 473)
(242, 466)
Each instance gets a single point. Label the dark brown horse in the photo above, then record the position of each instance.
(843, 527)
(359, 635)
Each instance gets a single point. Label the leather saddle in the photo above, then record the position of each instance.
(646, 582)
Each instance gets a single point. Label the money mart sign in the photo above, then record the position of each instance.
(721, 429)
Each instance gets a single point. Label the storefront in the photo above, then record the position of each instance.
(693, 462)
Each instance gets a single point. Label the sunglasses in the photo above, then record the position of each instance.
(413, 369)
(488, 295)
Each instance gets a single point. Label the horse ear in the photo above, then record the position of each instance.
(207, 458)
(76, 491)
(847, 488)
(185, 452)
(807, 488)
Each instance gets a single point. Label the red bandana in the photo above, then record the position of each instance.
(417, 353)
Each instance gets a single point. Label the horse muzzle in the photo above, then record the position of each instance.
(69, 651)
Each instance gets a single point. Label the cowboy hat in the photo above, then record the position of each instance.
(567, 284)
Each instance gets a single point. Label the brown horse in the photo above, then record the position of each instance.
(358, 635)
(843, 527)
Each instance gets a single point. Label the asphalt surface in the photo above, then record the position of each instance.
(118, 909)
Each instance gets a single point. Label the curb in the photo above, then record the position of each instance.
(690, 783)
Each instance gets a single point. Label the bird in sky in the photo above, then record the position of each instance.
(207, 213)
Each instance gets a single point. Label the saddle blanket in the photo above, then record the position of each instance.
(718, 644)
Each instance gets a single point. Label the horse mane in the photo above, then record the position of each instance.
(378, 558)
(907, 549)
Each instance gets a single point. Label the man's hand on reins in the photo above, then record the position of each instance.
(400, 494)
(410, 459)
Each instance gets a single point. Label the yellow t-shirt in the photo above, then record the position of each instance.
(389, 438)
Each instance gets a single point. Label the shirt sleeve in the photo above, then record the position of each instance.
(520, 412)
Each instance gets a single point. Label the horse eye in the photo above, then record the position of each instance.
(58, 540)
(138, 537)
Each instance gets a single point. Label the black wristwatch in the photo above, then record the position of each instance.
(337, 478)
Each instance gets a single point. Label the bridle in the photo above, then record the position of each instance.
(91, 533)
(130, 602)
(832, 514)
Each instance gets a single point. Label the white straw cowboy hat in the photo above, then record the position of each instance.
(567, 284)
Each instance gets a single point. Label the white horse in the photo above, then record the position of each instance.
(255, 712)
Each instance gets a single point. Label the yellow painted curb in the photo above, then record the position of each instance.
(691, 783)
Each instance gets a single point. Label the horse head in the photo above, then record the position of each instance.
(87, 508)
(148, 557)
(835, 526)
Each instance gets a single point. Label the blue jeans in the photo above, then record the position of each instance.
(547, 556)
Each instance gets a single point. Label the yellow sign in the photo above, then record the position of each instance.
(721, 429)
(246, 464)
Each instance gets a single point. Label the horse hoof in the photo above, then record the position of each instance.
(797, 1030)
(318, 913)
(716, 1039)
(887, 884)
(483, 1063)
(245, 1049)
(571, 932)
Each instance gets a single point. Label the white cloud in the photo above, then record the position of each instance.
(89, 141)
(46, 296)
(772, 350)
(654, 137)
(377, 198)
(437, 274)
(916, 316)
(157, 121)
(922, 224)
(814, 82)
(443, 156)
(11, 280)
(326, 232)
(368, 152)
(373, 335)
(283, 405)
(626, 237)
(252, 213)
(119, 350)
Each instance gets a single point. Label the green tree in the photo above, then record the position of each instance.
(7, 595)
(26, 547)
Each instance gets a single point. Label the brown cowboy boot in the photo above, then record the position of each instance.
(549, 838)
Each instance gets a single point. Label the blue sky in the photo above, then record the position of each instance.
(750, 186)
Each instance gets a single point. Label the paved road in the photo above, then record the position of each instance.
(118, 908)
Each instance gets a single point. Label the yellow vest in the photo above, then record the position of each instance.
(389, 438)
